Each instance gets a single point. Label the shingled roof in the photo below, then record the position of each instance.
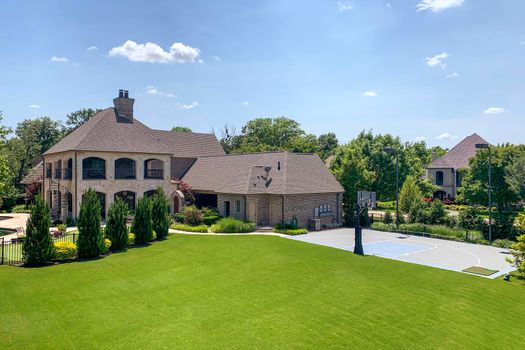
(107, 131)
(258, 173)
(458, 157)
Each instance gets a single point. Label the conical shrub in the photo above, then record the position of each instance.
(143, 225)
(37, 248)
(116, 229)
(161, 214)
(90, 242)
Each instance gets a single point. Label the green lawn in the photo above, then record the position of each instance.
(240, 292)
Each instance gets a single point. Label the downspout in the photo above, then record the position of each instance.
(245, 202)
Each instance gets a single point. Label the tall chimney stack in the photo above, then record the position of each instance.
(124, 105)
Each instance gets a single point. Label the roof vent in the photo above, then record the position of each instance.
(124, 105)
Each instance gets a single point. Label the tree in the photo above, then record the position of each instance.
(181, 129)
(77, 118)
(515, 175)
(6, 175)
(474, 188)
(116, 229)
(38, 248)
(143, 224)
(410, 197)
(518, 252)
(161, 213)
(90, 237)
(327, 145)
(438, 213)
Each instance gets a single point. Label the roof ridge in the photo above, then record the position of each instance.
(95, 123)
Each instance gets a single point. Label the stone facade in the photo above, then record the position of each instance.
(448, 188)
(76, 185)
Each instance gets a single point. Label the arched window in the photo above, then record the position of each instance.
(153, 169)
(69, 204)
(149, 193)
(439, 178)
(93, 168)
(125, 168)
(102, 198)
(128, 197)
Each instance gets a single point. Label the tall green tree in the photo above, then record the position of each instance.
(6, 174)
(116, 229)
(160, 213)
(38, 248)
(515, 175)
(181, 129)
(410, 196)
(143, 223)
(90, 242)
(79, 117)
(474, 188)
(327, 145)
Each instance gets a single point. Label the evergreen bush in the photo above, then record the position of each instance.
(90, 242)
(161, 214)
(192, 215)
(143, 224)
(116, 229)
(38, 247)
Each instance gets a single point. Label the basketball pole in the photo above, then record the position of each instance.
(358, 246)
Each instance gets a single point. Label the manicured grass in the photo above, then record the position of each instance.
(245, 292)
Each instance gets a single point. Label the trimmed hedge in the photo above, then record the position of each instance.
(231, 225)
(189, 228)
(433, 231)
(291, 232)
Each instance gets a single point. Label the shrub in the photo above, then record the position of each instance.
(469, 219)
(65, 250)
(188, 228)
(21, 208)
(178, 217)
(90, 242)
(210, 220)
(519, 223)
(387, 219)
(131, 238)
(153, 236)
(192, 215)
(107, 245)
(503, 243)
(438, 214)
(37, 248)
(143, 225)
(62, 228)
(160, 208)
(208, 211)
(409, 196)
(116, 228)
(231, 225)
(503, 225)
(518, 252)
(71, 221)
(291, 232)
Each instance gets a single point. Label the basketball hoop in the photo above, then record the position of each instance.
(365, 200)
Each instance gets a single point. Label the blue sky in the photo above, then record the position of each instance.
(422, 69)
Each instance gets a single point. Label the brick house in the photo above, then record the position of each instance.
(118, 156)
(445, 171)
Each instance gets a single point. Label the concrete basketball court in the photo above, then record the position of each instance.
(448, 255)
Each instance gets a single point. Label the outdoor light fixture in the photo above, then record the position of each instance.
(487, 146)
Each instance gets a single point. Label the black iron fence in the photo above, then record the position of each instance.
(11, 250)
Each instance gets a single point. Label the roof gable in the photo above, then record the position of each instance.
(458, 157)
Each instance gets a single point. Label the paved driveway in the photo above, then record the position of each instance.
(443, 254)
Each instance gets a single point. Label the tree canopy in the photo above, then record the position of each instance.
(181, 129)
(79, 117)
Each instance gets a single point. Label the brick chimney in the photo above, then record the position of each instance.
(124, 104)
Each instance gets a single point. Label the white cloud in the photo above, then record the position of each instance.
(92, 48)
(245, 103)
(420, 138)
(34, 106)
(522, 43)
(438, 5)
(452, 75)
(153, 53)
(447, 136)
(201, 61)
(344, 6)
(151, 90)
(216, 58)
(494, 110)
(389, 5)
(370, 94)
(59, 59)
(437, 60)
(192, 105)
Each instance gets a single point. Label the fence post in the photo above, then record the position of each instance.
(2, 261)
